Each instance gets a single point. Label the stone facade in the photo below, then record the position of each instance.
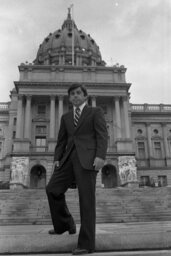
(29, 123)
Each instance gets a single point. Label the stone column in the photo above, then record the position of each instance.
(27, 129)
(126, 117)
(60, 108)
(118, 117)
(52, 117)
(166, 148)
(93, 101)
(19, 130)
(77, 60)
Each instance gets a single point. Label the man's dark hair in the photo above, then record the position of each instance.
(75, 86)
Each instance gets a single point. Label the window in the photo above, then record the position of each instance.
(157, 149)
(15, 121)
(82, 36)
(144, 181)
(139, 131)
(40, 144)
(69, 34)
(41, 109)
(141, 149)
(0, 131)
(162, 181)
(40, 129)
(155, 131)
(14, 135)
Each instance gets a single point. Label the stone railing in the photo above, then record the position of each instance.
(39, 149)
(4, 106)
(150, 108)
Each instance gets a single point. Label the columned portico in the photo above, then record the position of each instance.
(52, 117)
(27, 127)
(19, 131)
(123, 135)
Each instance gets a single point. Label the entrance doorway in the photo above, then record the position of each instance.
(109, 176)
(38, 177)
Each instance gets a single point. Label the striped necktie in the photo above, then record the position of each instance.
(76, 116)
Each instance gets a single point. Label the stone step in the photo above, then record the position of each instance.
(113, 205)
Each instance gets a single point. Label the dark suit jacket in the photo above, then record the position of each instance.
(89, 137)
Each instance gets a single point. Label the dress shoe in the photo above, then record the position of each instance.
(79, 251)
(71, 231)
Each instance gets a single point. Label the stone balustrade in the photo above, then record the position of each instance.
(4, 106)
(150, 108)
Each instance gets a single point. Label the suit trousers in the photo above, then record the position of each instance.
(60, 181)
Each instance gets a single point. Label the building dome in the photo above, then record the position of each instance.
(60, 48)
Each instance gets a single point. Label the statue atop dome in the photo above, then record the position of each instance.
(69, 12)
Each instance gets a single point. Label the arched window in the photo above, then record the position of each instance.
(38, 177)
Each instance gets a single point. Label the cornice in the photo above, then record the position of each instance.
(67, 84)
(30, 67)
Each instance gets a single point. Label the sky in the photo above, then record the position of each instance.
(133, 33)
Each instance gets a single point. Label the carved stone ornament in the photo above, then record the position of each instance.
(127, 169)
(19, 172)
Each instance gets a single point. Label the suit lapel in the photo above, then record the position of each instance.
(71, 120)
(82, 117)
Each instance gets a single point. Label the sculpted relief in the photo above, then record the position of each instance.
(127, 169)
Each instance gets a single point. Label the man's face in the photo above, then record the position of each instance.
(77, 97)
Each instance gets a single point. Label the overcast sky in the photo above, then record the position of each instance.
(133, 33)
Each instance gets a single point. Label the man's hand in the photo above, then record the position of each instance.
(55, 164)
(98, 163)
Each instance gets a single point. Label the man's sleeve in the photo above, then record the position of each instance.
(101, 133)
(61, 141)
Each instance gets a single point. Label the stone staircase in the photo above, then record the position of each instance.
(119, 205)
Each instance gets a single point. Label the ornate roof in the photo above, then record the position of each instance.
(58, 47)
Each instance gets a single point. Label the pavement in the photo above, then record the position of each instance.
(110, 237)
(132, 253)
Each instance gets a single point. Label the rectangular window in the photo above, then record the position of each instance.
(162, 181)
(41, 144)
(157, 149)
(14, 135)
(41, 109)
(141, 149)
(144, 181)
(40, 129)
(15, 121)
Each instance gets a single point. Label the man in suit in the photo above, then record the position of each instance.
(79, 154)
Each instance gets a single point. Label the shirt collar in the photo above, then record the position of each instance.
(80, 107)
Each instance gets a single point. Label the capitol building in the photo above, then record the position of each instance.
(29, 122)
